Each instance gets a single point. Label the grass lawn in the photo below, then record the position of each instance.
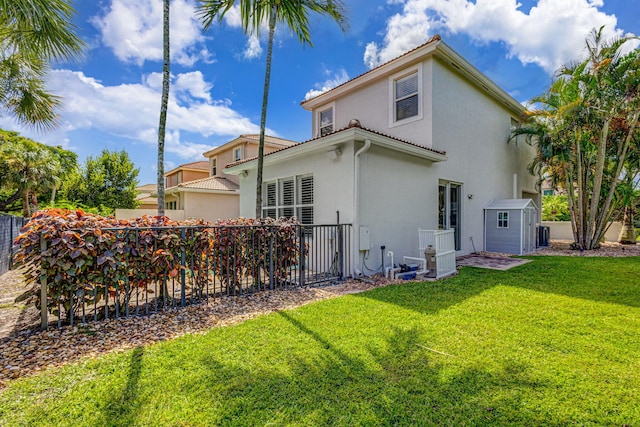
(552, 342)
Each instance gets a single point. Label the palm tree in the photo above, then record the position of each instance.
(30, 167)
(166, 78)
(584, 130)
(33, 33)
(292, 13)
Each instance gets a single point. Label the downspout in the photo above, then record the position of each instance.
(356, 203)
(515, 186)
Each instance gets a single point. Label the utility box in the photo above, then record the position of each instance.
(365, 239)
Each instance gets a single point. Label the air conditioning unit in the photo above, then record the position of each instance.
(543, 235)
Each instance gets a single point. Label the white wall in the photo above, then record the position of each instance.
(176, 215)
(474, 129)
(370, 105)
(399, 195)
(332, 181)
(561, 230)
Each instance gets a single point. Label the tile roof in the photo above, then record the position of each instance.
(203, 164)
(143, 196)
(435, 38)
(215, 183)
(338, 131)
(147, 188)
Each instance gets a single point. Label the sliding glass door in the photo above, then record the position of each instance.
(450, 209)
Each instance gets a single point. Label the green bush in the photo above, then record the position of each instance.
(555, 208)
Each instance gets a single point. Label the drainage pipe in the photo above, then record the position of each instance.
(356, 199)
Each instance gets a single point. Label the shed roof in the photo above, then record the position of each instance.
(510, 204)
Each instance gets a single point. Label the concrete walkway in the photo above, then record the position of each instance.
(490, 262)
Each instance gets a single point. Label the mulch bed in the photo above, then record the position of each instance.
(25, 350)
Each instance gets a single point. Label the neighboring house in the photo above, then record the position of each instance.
(209, 193)
(146, 196)
(180, 175)
(420, 142)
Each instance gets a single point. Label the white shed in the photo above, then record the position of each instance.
(510, 226)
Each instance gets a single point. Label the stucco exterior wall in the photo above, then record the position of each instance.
(176, 215)
(561, 230)
(210, 207)
(332, 184)
(474, 129)
(371, 104)
(398, 196)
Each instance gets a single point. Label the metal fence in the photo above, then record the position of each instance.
(9, 229)
(238, 261)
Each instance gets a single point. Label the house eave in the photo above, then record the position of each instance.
(437, 49)
(335, 139)
(371, 76)
(176, 190)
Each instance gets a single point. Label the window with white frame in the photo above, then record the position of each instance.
(214, 166)
(287, 197)
(237, 154)
(406, 96)
(171, 205)
(325, 121)
(503, 219)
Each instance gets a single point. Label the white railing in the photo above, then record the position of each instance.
(444, 244)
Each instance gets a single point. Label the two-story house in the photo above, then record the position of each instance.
(420, 142)
(203, 190)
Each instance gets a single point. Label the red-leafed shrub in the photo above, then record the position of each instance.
(89, 260)
(250, 247)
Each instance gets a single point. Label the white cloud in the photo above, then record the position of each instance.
(335, 79)
(193, 83)
(132, 111)
(133, 30)
(551, 34)
(253, 48)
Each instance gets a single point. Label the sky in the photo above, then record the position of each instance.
(111, 96)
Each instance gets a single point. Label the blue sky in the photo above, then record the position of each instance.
(111, 97)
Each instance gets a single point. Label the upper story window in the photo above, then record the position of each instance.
(237, 154)
(503, 219)
(325, 121)
(214, 166)
(406, 102)
(405, 90)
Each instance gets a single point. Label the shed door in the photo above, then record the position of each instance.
(528, 231)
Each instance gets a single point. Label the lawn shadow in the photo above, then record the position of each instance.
(399, 383)
(120, 408)
(434, 296)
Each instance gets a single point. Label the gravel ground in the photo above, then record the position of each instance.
(25, 350)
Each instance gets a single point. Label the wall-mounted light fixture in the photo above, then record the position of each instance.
(244, 174)
(334, 154)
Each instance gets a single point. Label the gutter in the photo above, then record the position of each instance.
(356, 201)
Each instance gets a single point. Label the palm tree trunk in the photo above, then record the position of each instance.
(263, 116)
(166, 76)
(26, 211)
(597, 185)
(606, 210)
